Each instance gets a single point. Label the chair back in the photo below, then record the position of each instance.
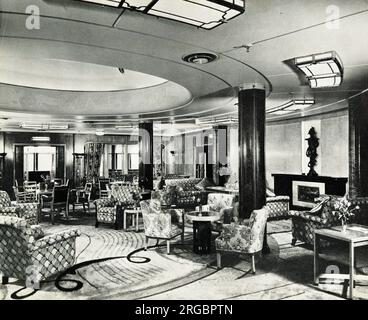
(24, 197)
(4, 199)
(88, 187)
(257, 224)
(123, 194)
(103, 183)
(30, 186)
(218, 201)
(60, 194)
(17, 239)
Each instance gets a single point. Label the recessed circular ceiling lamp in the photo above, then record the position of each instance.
(100, 132)
(200, 58)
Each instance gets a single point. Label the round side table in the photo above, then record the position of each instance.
(202, 230)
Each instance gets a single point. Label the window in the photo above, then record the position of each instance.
(133, 161)
(40, 159)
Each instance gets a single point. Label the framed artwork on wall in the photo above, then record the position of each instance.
(304, 193)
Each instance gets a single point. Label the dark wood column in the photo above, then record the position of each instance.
(358, 146)
(146, 155)
(252, 177)
(358, 154)
(221, 134)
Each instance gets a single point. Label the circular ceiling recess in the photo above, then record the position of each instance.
(72, 76)
(200, 58)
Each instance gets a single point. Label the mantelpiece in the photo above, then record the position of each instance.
(302, 189)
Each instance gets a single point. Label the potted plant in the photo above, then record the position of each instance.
(344, 210)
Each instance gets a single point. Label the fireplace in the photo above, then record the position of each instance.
(303, 189)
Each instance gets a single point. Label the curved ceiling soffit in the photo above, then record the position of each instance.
(194, 48)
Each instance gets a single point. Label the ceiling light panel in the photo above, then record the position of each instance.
(322, 70)
(110, 3)
(205, 14)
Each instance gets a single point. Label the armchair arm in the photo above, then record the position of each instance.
(27, 206)
(55, 238)
(304, 215)
(232, 229)
(225, 214)
(9, 211)
(105, 202)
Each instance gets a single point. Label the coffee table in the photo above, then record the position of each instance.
(355, 236)
(202, 229)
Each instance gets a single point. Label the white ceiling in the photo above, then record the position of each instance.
(85, 34)
(64, 75)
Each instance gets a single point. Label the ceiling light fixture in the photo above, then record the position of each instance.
(291, 106)
(322, 69)
(200, 58)
(43, 126)
(206, 14)
(100, 132)
(222, 120)
(41, 139)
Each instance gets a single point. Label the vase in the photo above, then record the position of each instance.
(344, 225)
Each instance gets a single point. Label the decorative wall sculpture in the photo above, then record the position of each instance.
(313, 143)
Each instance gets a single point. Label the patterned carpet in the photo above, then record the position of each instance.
(112, 265)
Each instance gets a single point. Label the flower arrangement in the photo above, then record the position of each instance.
(344, 210)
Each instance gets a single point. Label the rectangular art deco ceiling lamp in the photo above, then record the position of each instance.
(206, 14)
(322, 69)
(291, 106)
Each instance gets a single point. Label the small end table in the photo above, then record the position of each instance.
(134, 212)
(202, 230)
(356, 236)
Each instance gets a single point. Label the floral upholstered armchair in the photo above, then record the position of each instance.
(321, 216)
(223, 204)
(28, 211)
(108, 209)
(27, 254)
(239, 238)
(161, 224)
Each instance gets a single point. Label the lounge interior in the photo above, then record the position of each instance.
(167, 150)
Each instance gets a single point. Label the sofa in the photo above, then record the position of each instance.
(321, 216)
(28, 211)
(184, 193)
(26, 253)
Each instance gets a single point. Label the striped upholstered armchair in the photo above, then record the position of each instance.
(321, 216)
(108, 210)
(27, 254)
(28, 211)
(278, 207)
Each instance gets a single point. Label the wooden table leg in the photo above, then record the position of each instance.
(316, 265)
(124, 220)
(352, 270)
